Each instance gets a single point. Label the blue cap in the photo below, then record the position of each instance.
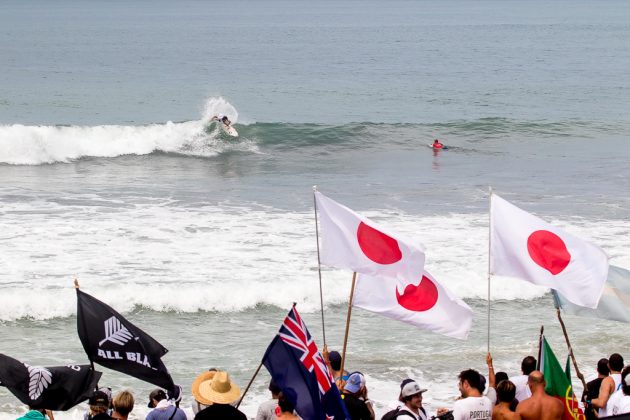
(355, 382)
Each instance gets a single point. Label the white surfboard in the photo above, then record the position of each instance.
(229, 130)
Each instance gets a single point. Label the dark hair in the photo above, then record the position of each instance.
(602, 367)
(615, 361)
(506, 391)
(500, 376)
(287, 400)
(335, 360)
(275, 389)
(625, 388)
(528, 365)
(472, 377)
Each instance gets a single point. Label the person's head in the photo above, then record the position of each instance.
(625, 380)
(275, 389)
(107, 391)
(500, 376)
(123, 403)
(528, 365)
(411, 394)
(155, 397)
(436, 141)
(482, 383)
(469, 382)
(506, 391)
(197, 405)
(615, 362)
(335, 360)
(98, 402)
(287, 400)
(536, 381)
(224, 119)
(602, 367)
(175, 395)
(355, 383)
(215, 388)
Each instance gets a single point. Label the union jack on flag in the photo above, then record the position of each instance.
(294, 362)
(294, 333)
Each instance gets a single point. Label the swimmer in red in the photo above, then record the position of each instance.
(437, 144)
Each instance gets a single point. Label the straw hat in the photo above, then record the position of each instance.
(215, 388)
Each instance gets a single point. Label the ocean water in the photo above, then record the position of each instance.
(111, 173)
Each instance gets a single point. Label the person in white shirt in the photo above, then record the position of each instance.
(411, 397)
(528, 365)
(609, 384)
(619, 401)
(472, 405)
(267, 410)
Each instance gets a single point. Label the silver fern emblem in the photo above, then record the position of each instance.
(39, 379)
(115, 332)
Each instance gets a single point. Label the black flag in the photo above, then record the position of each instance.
(112, 341)
(52, 388)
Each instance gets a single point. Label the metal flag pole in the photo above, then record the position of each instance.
(319, 265)
(489, 248)
(345, 337)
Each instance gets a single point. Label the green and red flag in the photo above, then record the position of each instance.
(558, 383)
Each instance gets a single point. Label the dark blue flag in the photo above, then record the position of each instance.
(294, 361)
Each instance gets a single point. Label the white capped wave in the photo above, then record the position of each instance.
(222, 257)
(35, 145)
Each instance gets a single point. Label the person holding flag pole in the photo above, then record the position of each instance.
(295, 364)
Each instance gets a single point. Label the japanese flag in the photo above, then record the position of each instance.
(424, 303)
(355, 243)
(526, 247)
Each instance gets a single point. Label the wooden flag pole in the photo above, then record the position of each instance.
(76, 286)
(540, 343)
(319, 267)
(249, 384)
(255, 374)
(566, 337)
(345, 337)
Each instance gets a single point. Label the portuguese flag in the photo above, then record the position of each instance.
(559, 382)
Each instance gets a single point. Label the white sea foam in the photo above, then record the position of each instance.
(35, 145)
(221, 257)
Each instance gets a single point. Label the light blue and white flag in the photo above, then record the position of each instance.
(614, 303)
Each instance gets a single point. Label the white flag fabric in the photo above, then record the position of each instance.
(353, 242)
(527, 247)
(614, 303)
(424, 303)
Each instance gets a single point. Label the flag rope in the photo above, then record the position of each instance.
(345, 337)
(319, 267)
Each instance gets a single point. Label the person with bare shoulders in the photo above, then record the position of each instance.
(539, 406)
(506, 391)
(609, 384)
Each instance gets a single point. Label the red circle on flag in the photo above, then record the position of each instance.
(418, 298)
(549, 251)
(377, 246)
